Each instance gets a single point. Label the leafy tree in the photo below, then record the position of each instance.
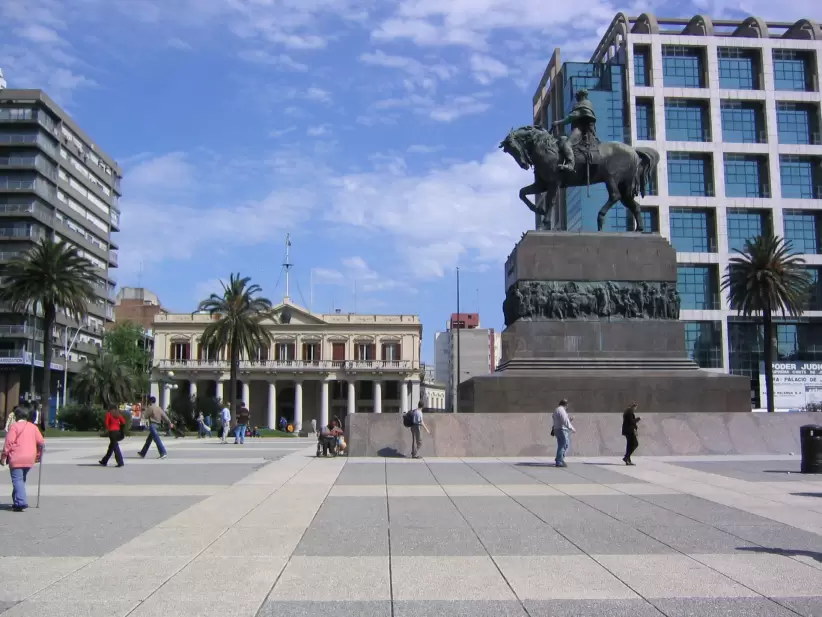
(126, 341)
(766, 278)
(55, 277)
(105, 380)
(237, 325)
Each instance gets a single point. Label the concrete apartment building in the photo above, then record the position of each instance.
(138, 306)
(54, 181)
(318, 365)
(475, 351)
(733, 107)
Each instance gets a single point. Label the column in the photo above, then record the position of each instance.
(377, 396)
(193, 390)
(166, 395)
(404, 396)
(220, 391)
(324, 403)
(154, 389)
(352, 397)
(247, 393)
(272, 404)
(415, 393)
(298, 406)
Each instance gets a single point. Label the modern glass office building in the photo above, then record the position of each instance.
(733, 107)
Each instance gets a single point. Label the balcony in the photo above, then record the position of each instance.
(287, 365)
(10, 256)
(19, 233)
(112, 258)
(21, 357)
(20, 331)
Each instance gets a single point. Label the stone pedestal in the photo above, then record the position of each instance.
(594, 318)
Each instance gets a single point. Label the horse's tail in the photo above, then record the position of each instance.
(648, 160)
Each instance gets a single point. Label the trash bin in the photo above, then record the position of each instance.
(810, 437)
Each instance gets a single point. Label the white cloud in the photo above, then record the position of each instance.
(204, 289)
(459, 106)
(261, 56)
(423, 149)
(318, 130)
(178, 44)
(169, 172)
(318, 94)
(419, 74)
(37, 33)
(486, 69)
(467, 210)
(328, 276)
(281, 132)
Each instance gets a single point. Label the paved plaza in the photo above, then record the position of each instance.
(268, 530)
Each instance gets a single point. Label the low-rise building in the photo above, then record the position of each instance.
(317, 366)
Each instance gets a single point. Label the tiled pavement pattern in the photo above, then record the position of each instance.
(213, 530)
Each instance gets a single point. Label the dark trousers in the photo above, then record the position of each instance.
(113, 448)
(631, 444)
(328, 443)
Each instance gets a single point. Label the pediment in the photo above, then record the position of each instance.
(291, 314)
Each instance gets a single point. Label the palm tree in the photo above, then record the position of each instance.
(237, 326)
(765, 277)
(56, 277)
(106, 380)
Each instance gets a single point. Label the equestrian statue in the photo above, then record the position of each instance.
(580, 160)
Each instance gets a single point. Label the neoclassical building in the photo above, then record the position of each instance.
(317, 366)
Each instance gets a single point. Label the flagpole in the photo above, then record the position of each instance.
(287, 266)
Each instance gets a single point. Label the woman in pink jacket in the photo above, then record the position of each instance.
(23, 447)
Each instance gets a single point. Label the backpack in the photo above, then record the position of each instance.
(408, 419)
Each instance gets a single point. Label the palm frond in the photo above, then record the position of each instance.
(767, 276)
(105, 380)
(52, 274)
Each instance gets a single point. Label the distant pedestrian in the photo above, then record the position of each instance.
(204, 429)
(417, 422)
(630, 422)
(225, 420)
(22, 450)
(154, 415)
(115, 427)
(313, 426)
(242, 423)
(283, 424)
(562, 430)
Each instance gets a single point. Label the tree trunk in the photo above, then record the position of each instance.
(234, 360)
(767, 326)
(49, 317)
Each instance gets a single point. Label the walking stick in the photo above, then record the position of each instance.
(39, 477)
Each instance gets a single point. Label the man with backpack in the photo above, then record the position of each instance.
(413, 420)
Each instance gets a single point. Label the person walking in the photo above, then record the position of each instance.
(314, 426)
(204, 430)
(225, 420)
(630, 426)
(154, 415)
(416, 435)
(562, 430)
(22, 450)
(115, 424)
(242, 423)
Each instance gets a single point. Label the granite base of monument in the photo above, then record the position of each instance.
(594, 318)
(598, 434)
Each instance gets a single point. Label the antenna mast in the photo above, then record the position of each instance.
(287, 265)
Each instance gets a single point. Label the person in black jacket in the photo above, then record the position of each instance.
(629, 430)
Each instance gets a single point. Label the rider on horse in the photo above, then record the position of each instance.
(583, 124)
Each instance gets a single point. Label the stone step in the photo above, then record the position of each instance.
(599, 364)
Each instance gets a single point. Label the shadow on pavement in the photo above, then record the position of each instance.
(782, 551)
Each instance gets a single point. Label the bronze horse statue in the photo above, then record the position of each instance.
(626, 171)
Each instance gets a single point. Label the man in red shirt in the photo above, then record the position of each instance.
(114, 426)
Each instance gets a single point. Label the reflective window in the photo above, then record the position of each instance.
(814, 301)
(802, 230)
(689, 174)
(738, 68)
(792, 70)
(698, 287)
(746, 176)
(801, 177)
(642, 65)
(687, 120)
(797, 123)
(692, 230)
(682, 66)
(703, 342)
(619, 219)
(743, 122)
(745, 225)
(645, 119)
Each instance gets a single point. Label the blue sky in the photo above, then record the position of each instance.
(367, 129)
